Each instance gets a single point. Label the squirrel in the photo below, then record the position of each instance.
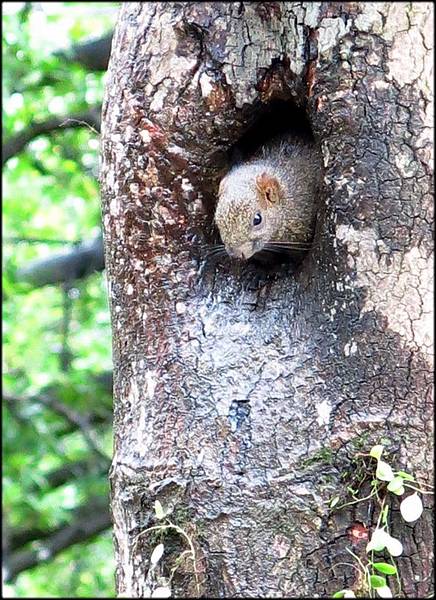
(269, 202)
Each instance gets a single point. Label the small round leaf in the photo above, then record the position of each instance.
(405, 476)
(376, 451)
(156, 555)
(158, 509)
(378, 541)
(161, 592)
(334, 501)
(384, 591)
(396, 486)
(411, 508)
(344, 594)
(385, 568)
(384, 471)
(394, 546)
(376, 581)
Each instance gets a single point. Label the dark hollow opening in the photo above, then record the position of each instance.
(276, 118)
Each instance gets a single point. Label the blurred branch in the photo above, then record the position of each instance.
(73, 470)
(74, 417)
(92, 54)
(17, 143)
(88, 521)
(80, 262)
(31, 240)
(93, 418)
(29, 534)
(78, 420)
(103, 381)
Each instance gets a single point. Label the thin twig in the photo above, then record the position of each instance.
(79, 122)
(18, 240)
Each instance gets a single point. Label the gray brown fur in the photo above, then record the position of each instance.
(281, 182)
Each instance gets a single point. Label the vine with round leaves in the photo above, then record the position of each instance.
(373, 572)
(157, 586)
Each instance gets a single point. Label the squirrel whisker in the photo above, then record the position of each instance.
(213, 246)
(216, 252)
(289, 244)
(285, 248)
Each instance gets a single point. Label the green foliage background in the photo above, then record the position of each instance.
(50, 191)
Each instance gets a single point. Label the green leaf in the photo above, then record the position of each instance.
(405, 476)
(376, 451)
(334, 501)
(344, 594)
(384, 515)
(376, 581)
(396, 486)
(385, 568)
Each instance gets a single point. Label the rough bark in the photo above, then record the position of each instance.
(243, 408)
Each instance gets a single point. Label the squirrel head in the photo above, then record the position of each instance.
(248, 212)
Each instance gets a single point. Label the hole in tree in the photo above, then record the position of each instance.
(274, 119)
(278, 118)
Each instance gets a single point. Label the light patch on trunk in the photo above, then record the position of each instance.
(407, 25)
(330, 32)
(186, 185)
(180, 308)
(350, 348)
(133, 397)
(324, 409)
(398, 286)
(151, 381)
(312, 13)
(206, 85)
(123, 539)
(281, 546)
(145, 135)
(370, 19)
(406, 163)
(114, 207)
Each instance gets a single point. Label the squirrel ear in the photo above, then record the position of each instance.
(268, 189)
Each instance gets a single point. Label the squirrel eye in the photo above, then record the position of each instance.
(257, 219)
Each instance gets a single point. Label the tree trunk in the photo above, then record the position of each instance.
(241, 409)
